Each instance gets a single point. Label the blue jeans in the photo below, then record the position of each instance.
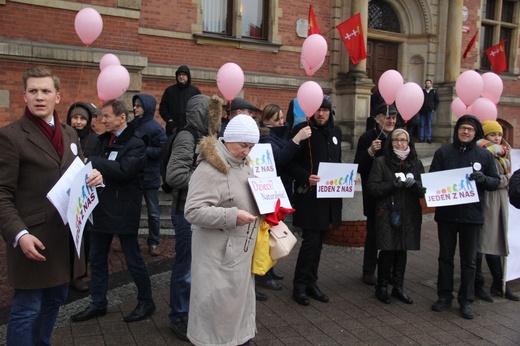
(151, 197)
(426, 121)
(33, 314)
(99, 248)
(180, 281)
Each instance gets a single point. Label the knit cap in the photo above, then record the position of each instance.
(490, 126)
(242, 128)
(82, 112)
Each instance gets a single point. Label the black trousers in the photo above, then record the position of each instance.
(306, 271)
(468, 238)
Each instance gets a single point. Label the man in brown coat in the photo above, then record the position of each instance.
(36, 150)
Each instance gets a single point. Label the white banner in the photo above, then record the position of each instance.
(261, 159)
(267, 191)
(337, 180)
(512, 268)
(449, 187)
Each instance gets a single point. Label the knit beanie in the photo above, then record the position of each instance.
(490, 126)
(242, 128)
(78, 110)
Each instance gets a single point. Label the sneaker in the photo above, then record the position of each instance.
(181, 328)
(153, 250)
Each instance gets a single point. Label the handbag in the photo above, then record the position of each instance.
(281, 241)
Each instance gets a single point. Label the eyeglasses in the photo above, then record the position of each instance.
(399, 140)
(249, 235)
(470, 129)
(137, 106)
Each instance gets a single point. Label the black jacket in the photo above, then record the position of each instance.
(514, 189)
(431, 101)
(459, 155)
(119, 208)
(315, 213)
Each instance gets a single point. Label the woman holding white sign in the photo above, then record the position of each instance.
(395, 183)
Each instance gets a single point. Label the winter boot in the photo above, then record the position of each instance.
(480, 292)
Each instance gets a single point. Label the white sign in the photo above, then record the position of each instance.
(261, 159)
(337, 180)
(83, 200)
(267, 191)
(449, 187)
(512, 267)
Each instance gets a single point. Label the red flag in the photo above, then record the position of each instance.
(351, 32)
(470, 45)
(313, 24)
(497, 57)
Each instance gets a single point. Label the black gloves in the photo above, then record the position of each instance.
(398, 183)
(409, 182)
(421, 190)
(478, 177)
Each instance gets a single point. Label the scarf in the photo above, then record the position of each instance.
(498, 151)
(55, 136)
(402, 154)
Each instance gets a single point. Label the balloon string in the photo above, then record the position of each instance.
(310, 152)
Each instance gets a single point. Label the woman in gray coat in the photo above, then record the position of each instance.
(224, 217)
(395, 182)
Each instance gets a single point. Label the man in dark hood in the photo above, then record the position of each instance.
(144, 123)
(80, 116)
(173, 102)
(464, 220)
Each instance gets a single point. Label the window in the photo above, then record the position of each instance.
(381, 16)
(497, 25)
(236, 18)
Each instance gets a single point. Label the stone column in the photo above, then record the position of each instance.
(453, 40)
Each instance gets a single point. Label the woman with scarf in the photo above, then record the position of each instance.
(493, 236)
(395, 183)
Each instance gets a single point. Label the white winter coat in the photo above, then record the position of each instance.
(222, 301)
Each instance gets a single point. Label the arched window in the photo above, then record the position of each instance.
(381, 16)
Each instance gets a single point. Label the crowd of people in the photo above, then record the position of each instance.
(212, 290)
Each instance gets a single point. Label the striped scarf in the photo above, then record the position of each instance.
(498, 151)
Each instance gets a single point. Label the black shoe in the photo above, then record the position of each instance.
(275, 275)
(369, 278)
(181, 328)
(399, 294)
(441, 304)
(300, 297)
(141, 312)
(421, 140)
(267, 282)
(466, 311)
(259, 296)
(315, 293)
(481, 294)
(382, 294)
(89, 313)
(510, 295)
(429, 141)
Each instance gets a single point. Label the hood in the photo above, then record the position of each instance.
(326, 103)
(473, 121)
(185, 69)
(204, 114)
(149, 103)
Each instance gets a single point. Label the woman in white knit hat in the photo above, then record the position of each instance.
(224, 218)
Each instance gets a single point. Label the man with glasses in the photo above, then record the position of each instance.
(368, 148)
(144, 122)
(465, 220)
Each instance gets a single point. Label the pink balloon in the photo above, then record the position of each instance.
(409, 100)
(389, 83)
(107, 60)
(469, 86)
(314, 50)
(310, 98)
(484, 109)
(459, 108)
(230, 80)
(493, 87)
(88, 25)
(112, 82)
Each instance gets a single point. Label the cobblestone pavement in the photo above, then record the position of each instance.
(352, 317)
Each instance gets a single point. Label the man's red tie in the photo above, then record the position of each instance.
(112, 139)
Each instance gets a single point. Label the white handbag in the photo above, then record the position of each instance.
(281, 241)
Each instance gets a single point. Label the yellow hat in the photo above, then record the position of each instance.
(490, 126)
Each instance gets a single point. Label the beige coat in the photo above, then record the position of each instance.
(493, 235)
(222, 302)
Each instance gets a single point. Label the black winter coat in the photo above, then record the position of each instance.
(119, 208)
(514, 189)
(315, 213)
(407, 200)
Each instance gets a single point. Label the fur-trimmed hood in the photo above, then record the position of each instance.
(215, 153)
(204, 114)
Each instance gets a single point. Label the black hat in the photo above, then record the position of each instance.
(382, 109)
(240, 103)
(326, 103)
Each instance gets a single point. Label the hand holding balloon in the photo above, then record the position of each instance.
(304, 133)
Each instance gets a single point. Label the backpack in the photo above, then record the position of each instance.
(166, 152)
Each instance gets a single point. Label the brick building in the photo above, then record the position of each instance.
(420, 38)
